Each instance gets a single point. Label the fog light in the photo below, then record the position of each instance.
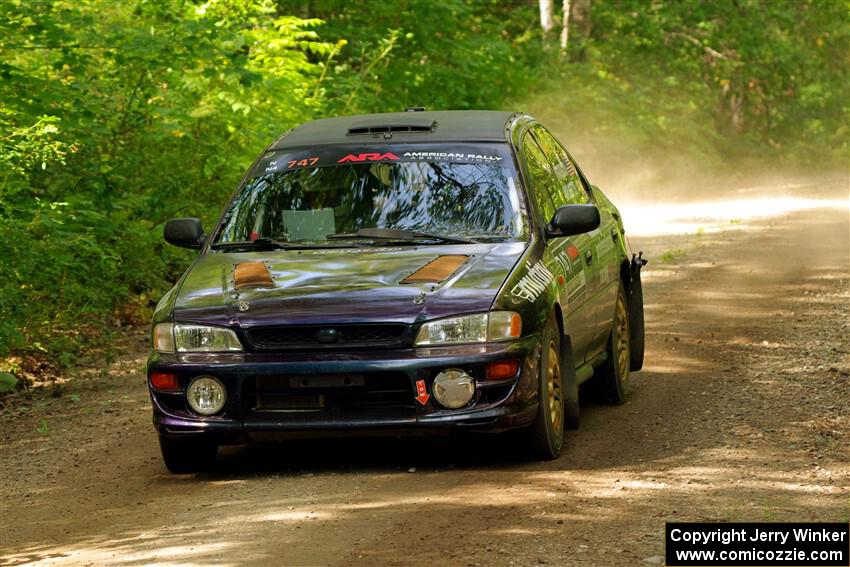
(206, 395)
(453, 388)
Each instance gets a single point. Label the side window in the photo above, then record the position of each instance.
(541, 178)
(585, 183)
(569, 183)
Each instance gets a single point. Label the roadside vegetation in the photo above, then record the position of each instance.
(115, 116)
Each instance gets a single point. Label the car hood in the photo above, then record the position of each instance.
(343, 285)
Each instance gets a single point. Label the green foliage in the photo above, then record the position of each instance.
(452, 54)
(42, 428)
(747, 81)
(8, 382)
(113, 118)
(672, 255)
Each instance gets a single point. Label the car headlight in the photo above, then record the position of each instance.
(176, 337)
(479, 328)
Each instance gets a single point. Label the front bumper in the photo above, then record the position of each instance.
(497, 405)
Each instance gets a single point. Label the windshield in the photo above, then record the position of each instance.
(299, 198)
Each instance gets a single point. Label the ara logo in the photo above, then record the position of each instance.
(368, 157)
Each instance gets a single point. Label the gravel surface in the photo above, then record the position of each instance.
(742, 413)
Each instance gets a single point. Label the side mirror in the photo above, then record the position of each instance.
(573, 219)
(185, 232)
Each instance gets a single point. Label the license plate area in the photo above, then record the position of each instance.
(290, 402)
(333, 381)
(340, 394)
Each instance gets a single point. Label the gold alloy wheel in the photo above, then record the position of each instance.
(553, 379)
(622, 346)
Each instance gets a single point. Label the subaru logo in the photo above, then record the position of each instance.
(328, 336)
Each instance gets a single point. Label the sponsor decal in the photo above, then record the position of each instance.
(422, 394)
(563, 262)
(604, 246)
(533, 283)
(352, 158)
(604, 276)
(306, 162)
(576, 287)
(452, 156)
(319, 158)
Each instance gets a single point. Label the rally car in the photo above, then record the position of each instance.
(397, 273)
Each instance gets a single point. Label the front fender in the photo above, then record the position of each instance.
(530, 289)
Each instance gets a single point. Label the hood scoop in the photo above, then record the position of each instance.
(251, 275)
(437, 270)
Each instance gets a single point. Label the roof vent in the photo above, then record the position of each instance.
(409, 126)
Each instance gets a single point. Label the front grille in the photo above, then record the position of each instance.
(329, 393)
(326, 336)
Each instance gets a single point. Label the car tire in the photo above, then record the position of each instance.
(612, 377)
(570, 385)
(636, 326)
(183, 456)
(546, 434)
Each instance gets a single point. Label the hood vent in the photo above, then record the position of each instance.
(251, 274)
(437, 270)
(411, 127)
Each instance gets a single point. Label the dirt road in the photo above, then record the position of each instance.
(741, 413)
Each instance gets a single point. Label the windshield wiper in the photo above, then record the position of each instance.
(269, 244)
(401, 234)
(261, 243)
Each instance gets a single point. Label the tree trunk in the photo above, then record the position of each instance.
(547, 16)
(580, 17)
(579, 21)
(565, 27)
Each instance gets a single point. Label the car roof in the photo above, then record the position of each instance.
(411, 126)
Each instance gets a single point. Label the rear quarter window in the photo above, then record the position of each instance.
(569, 187)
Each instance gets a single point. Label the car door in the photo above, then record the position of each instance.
(597, 252)
(563, 256)
(607, 250)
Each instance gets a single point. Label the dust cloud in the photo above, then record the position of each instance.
(665, 188)
(634, 168)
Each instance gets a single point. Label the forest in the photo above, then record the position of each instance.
(116, 116)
